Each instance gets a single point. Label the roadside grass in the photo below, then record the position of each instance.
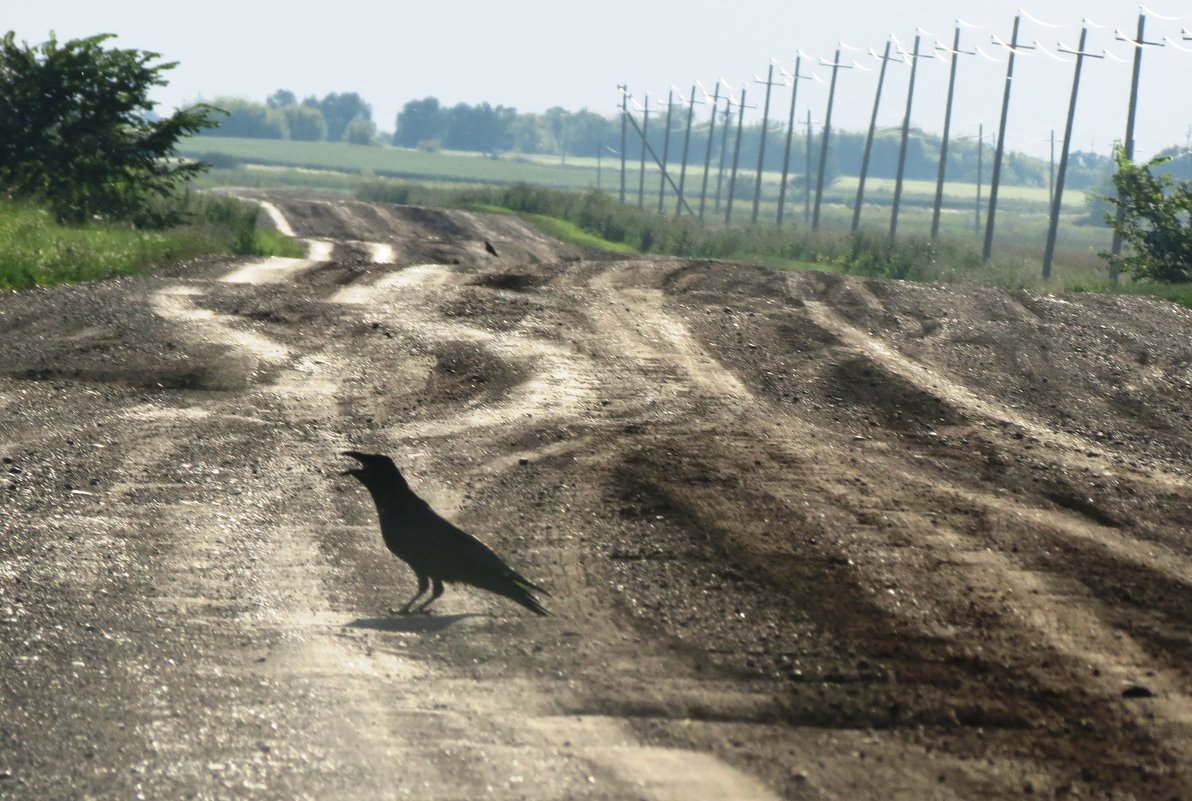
(1176, 293)
(779, 263)
(268, 242)
(869, 252)
(36, 250)
(562, 230)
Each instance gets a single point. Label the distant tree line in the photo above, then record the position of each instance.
(483, 128)
(337, 117)
(430, 125)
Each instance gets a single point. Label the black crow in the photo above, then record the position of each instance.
(436, 550)
(488, 246)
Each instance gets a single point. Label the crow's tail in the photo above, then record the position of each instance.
(521, 590)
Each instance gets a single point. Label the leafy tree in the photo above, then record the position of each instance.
(419, 121)
(339, 110)
(281, 98)
(588, 132)
(556, 122)
(1156, 222)
(526, 134)
(305, 123)
(250, 120)
(75, 128)
(360, 131)
(481, 128)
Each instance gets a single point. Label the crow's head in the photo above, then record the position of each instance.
(375, 469)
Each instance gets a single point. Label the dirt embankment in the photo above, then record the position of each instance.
(807, 536)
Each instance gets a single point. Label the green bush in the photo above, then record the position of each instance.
(360, 131)
(1155, 224)
(76, 132)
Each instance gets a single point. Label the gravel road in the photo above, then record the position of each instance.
(806, 536)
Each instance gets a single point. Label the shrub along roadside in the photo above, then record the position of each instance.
(77, 134)
(36, 250)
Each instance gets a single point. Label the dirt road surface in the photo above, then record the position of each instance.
(806, 536)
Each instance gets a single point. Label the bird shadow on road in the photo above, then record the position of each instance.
(417, 624)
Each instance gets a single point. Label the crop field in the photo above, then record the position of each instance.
(341, 167)
(574, 172)
(390, 162)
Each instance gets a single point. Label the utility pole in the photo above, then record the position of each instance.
(906, 130)
(657, 161)
(724, 126)
(1013, 47)
(686, 145)
(790, 135)
(732, 181)
(1128, 146)
(641, 181)
(955, 53)
(563, 142)
(624, 119)
(823, 162)
(980, 156)
(1051, 172)
(1057, 201)
(877, 100)
(703, 194)
(761, 153)
(670, 107)
(807, 176)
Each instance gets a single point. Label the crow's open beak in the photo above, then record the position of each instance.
(351, 471)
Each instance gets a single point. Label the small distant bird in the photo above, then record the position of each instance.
(435, 549)
(488, 246)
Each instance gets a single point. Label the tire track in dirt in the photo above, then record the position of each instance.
(562, 385)
(559, 387)
(272, 565)
(561, 382)
(1028, 600)
(1125, 659)
(751, 579)
(933, 382)
(664, 375)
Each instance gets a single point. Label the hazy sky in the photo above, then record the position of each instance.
(534, 54)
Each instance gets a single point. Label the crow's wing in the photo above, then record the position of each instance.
(442, 550)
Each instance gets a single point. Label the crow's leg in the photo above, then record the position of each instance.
(433, 596)
(423, 584)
